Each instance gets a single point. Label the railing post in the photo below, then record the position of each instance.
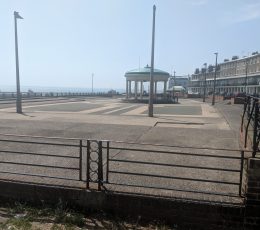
(244, 112)
(241, 172)
(255, 147)
(88, 164)
(107, 179)
(80, 160)
(248, 106)
(100, 166)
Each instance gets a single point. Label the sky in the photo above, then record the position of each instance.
(62, 42)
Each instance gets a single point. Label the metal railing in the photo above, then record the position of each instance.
(250, 124)
(116, 154)
(49, 158)
(26, 95)
(114, 163)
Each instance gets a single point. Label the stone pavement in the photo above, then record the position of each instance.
(110, 115)
(231, 112)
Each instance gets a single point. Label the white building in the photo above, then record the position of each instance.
(235, 76)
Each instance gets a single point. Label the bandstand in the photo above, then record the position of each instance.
(142, 75)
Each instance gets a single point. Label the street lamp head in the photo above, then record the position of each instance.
(216, 53)
(16, 15)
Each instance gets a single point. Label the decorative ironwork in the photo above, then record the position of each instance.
(124, 170)
(94, 163)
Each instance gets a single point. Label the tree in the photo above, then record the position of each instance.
(197, 71)
(210, 68)
(203, 70)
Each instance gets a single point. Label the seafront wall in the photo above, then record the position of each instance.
(185, 214)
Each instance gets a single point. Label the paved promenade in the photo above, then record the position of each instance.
(85, 119)
(190, 123)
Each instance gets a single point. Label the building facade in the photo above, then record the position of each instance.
(179, 81)
(236, 76)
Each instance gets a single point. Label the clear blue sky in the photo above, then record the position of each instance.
(62, 42)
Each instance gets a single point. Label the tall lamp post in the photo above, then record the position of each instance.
(174, 82)
(205, 82)
(150, 107)
(18, 92)
(214, 83)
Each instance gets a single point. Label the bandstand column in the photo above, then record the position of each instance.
(142, 90)
(127, 89)
(136, 89)
(164, 89)
(130, 90)
(155, 89)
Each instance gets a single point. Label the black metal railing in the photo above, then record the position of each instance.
(212, 171)
(35, 157)
(123, 159)
(250, 124)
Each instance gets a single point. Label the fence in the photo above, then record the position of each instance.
(159, 167)
(84, 163)
(250, 124)
(39, 158)
(25, 95)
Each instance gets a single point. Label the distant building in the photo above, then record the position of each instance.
(179, 81)
(233, 76)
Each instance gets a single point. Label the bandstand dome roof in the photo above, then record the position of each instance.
(143, 74)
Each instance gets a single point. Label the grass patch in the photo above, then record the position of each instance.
(17, 223)
(60, 217)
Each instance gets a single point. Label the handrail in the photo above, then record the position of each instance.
(120, 142)
(248, 123)
(251, 113)
(243, 116)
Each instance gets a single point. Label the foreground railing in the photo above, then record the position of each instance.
(250, 124)
(151, 164)
(42, 159)
(84, 163)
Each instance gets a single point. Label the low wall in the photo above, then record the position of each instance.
(252, 211)
(183, 213)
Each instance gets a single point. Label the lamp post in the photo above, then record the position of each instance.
(214, 83)
(18, 92)
(150, 107)
(174, 82)
(205, 81)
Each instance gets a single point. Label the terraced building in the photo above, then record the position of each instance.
(232, 76)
